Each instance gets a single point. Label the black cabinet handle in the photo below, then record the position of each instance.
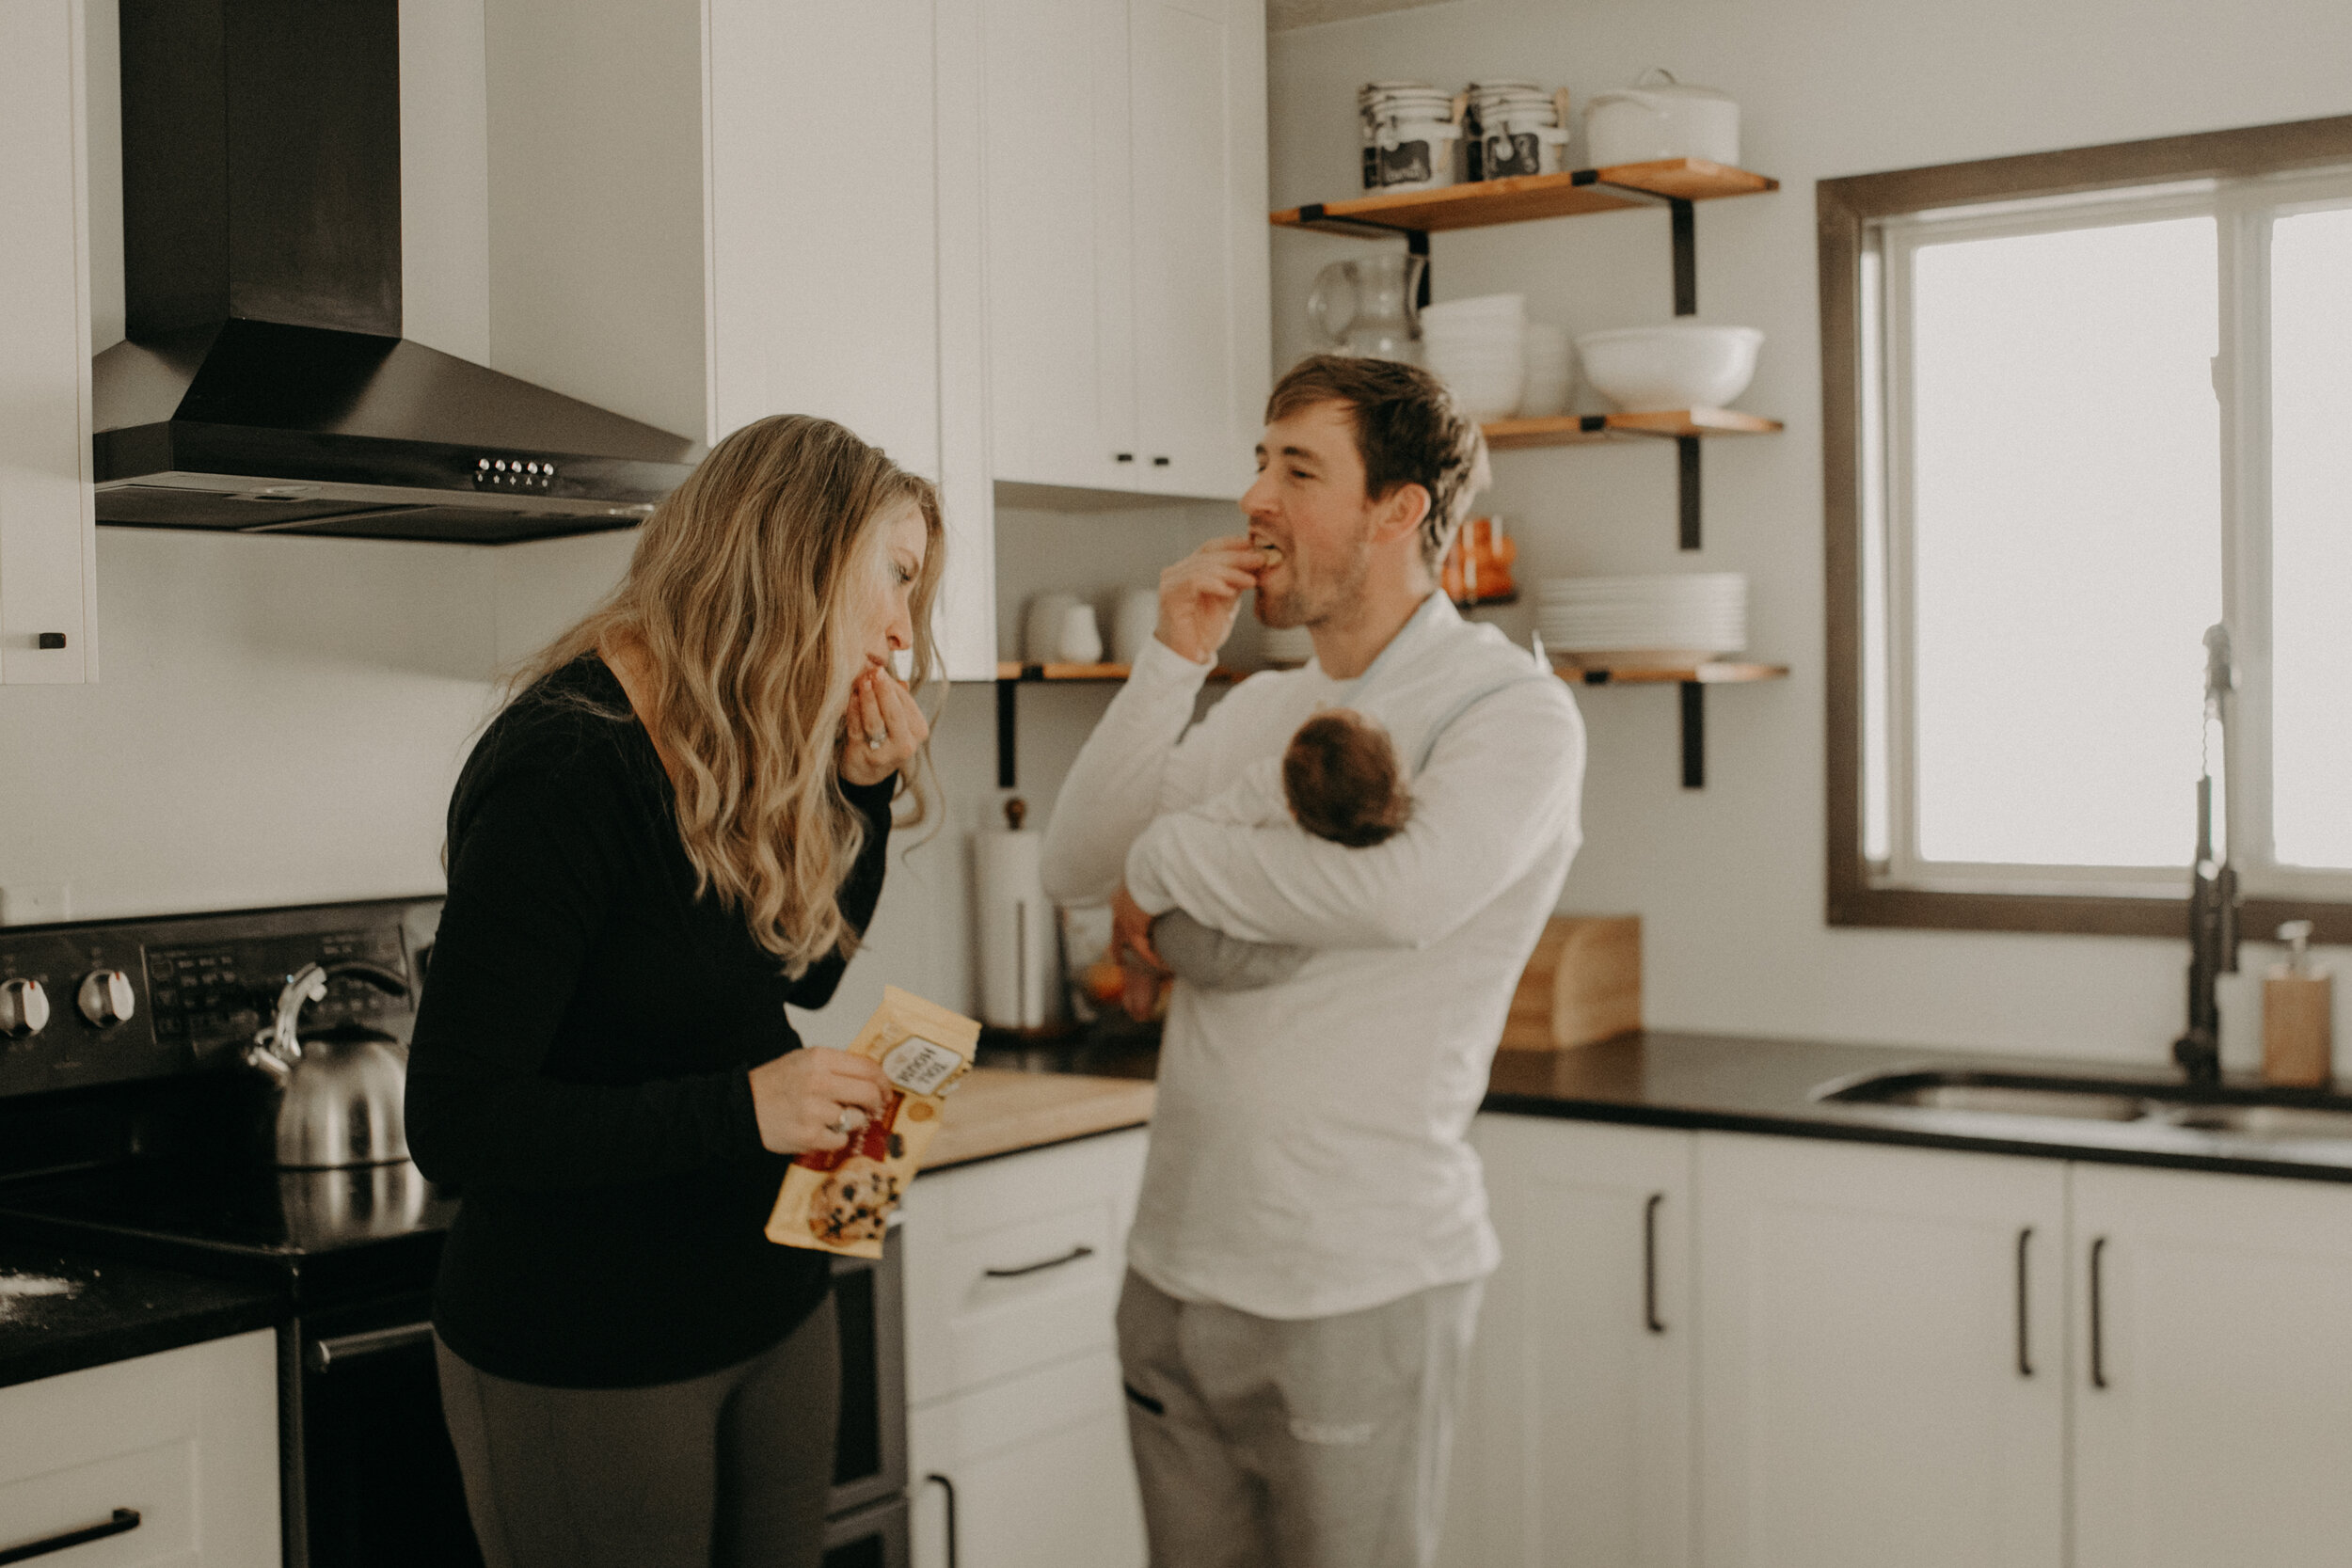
(1082, 1250)
(2098, 1328)
(326, 1354)
(1649, 1263)
(51, 642)
(1159, 462)
(1125, 457)
(949, 1487)
(125, 1521)
(2025, 1298)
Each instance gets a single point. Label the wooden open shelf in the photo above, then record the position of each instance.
(1567, 430)
(1485, 202)
(1713, 673)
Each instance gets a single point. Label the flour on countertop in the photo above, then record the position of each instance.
(15, 1287)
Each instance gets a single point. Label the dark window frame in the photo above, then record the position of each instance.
(1843, 210)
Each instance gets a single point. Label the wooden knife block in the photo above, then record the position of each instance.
(1581, 985)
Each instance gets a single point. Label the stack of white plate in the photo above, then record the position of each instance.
(1286, 647)
(1474, 346)
(1550, 371)
(1684, 618)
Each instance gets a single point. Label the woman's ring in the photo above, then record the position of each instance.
(844, 1126)
(873, 743)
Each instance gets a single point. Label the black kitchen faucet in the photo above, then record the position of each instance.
(2213, 899)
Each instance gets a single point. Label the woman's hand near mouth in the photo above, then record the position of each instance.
(1200, 596)
(884, 729)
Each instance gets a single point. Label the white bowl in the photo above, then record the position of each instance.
(1681, 366)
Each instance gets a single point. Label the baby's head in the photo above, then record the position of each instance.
(1343, 781)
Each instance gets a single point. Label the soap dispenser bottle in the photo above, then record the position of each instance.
(2298, 1016)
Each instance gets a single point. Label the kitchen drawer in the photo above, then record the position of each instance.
(1016, 1263)
(187, 1440)
(1040, 1472)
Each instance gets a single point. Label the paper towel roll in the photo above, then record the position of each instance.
(1017, 945)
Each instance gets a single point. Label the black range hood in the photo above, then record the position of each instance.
(264, 386)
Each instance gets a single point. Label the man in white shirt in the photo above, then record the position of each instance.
(1306, 1256)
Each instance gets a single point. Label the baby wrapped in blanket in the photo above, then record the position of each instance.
(1342, 781)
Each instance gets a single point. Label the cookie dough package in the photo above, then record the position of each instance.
(839, 1200)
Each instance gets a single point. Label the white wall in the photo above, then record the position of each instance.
(1730, 881)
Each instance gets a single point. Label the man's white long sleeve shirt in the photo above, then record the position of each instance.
(1308, 1153)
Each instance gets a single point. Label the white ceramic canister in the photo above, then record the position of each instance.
(1658, 119)
(1522, 136)
(1381, 109)
(1081, 637)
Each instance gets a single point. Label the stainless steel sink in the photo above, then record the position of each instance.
(2280, 1114)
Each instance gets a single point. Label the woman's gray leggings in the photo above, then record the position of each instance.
(727, 1470)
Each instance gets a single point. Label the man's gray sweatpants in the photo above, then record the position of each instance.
(1313, 1443)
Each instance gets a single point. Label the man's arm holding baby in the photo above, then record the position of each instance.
(1499, 789)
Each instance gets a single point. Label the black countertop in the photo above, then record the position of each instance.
(1732, 1083)
(1744, 1084)
(63, 1310)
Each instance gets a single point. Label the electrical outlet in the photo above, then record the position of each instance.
(30, 904)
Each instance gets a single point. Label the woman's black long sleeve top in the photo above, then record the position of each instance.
(578, 1069)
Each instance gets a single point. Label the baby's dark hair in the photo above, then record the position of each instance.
(1343, 780)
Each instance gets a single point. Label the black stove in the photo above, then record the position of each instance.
(139, 1133)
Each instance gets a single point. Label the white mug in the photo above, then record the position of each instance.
(1081, 639)
(1040, 632)
(1132, 623)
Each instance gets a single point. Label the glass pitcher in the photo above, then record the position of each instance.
(1369, 308)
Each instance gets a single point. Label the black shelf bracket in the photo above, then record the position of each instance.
(1007, 731)
(1693, 735)
(1687, 487)
(1686, 257)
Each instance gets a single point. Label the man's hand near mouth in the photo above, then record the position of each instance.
(1200, 594)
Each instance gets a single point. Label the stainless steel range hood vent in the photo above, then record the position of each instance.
(264, 384)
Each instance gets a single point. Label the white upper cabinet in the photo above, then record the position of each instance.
(48, 530)
(802, 235)
(2213, 1391)
(1882, 1357)
(1202, 350)
(1061, 399)
(1125, 189)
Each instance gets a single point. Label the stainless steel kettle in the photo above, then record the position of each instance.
(335, 1098)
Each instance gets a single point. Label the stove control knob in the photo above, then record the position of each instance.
(107, 998)
(24, 1009)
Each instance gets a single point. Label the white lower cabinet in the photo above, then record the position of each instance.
(1881, 1356)
(1040, 1473)
(1013, 1270)
(2213, 1394)
(1576, 1441)
(185, 1440)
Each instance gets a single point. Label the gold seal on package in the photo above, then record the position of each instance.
(839, 1200)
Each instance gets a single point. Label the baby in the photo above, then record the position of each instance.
(1342, 782)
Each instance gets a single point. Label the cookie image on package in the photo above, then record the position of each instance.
(853, 1203)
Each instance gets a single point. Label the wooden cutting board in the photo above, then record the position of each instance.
(1581, 985)
(995, 1110)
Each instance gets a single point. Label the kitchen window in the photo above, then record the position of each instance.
(2078, 407)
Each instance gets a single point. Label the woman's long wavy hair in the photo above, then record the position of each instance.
(748, 591)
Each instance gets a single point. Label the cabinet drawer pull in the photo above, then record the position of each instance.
(2025, 1297)
(351, 1347)
(125, 1521)
(949, 1487)
(1081, 1250)
(1650, 1264)
(2098, 1313)
(1159, 462)
(51, 642)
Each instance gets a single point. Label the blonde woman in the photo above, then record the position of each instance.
(676, 826)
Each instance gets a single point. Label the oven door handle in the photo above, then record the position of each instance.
(324, 1355)
(125, 1520)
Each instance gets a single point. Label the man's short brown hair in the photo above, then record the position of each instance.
(1407, 431)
